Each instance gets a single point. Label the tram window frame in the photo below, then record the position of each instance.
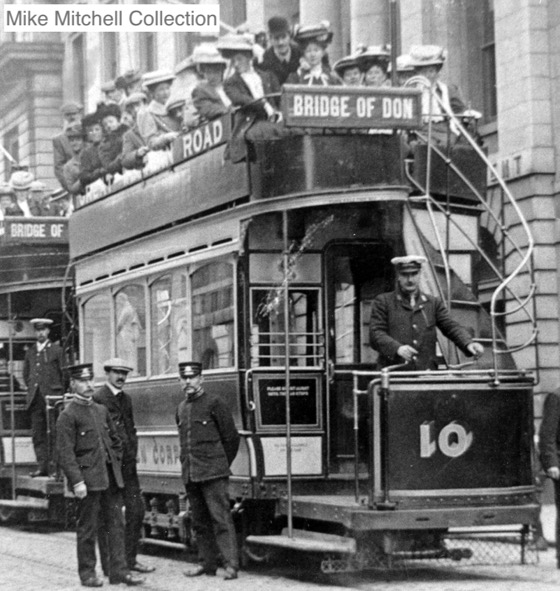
(140, 367)
(231, 352)
(183, 299)
(258, 359)
(107, 343)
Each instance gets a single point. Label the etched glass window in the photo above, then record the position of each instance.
(130, 327)
(212, 315)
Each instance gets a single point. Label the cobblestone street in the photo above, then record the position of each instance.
(35, 560)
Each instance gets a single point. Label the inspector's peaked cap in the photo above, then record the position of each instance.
(189, 369)
(80, 371)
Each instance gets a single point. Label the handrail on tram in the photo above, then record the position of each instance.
(525, 253)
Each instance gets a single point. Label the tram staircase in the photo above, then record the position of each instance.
(509, 293)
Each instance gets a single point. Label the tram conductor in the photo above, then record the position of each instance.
(44, 376)
(119, 405)
(89, 452)
(404, 321)
(209, 442)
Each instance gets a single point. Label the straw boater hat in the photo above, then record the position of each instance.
(234, 43)
(135, 98)
(207, 53)
(40, 323)
(320, 33)
(69, 108)
(411, 262)
(152, 79)
(6, 189)
(404, 63)
(174, 103)
(349, 61)
(427, 55)
(374, 55)
(37, 187)
(21, 180)
(116, 363)
(108, 86)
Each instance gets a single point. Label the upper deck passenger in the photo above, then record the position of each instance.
(134, 147)
(71, 169)
(62, 152)
(313, 41)
(38, 198)
(110, 147)
(256, 93)
(21, 183)
(112, 94)
(282, 58)
(374, 63)
(91, 167)
(129, 82)
(405, 69)
(348, 70)
(7, 199)
(209, 97)
(154, 123)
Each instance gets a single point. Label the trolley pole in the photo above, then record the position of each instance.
(287, 374)
(12, 396)
(395, 41)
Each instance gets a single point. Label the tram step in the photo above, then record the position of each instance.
(307, 541)
(47, 485)
(25, 503)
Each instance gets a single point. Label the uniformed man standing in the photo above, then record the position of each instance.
(89, 453)
(44, 376)
(209, 443)
(403, 322)
(119, 405)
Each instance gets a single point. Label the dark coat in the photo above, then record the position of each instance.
(120, 411)
(250, 113)
(394, 323)
(132, 141)
(85, 439)
(208, 437)
(549, 435)
(62, 152)
(91, 167)
(43, 372)
(280, 69)
(110, 150)
(207, 101)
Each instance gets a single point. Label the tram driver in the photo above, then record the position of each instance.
(404, 321)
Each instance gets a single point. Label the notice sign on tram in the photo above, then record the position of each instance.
(34, 230)
(351, 107)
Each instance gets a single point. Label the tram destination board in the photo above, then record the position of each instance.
(38, 230)
(348, 107)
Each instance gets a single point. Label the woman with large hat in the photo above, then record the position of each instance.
(209, 97)
(348, 70)
(313, 41)
(154, 123)
(374, 63)
(254, 92)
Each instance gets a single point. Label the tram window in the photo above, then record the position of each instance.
(212, 315)
(97, 330)
(356, 284)
(267, 339)
(130, 327)
(170, 331)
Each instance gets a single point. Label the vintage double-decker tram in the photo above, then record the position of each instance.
(265, 271)
(34, 282)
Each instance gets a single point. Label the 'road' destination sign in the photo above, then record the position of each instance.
(351, 107)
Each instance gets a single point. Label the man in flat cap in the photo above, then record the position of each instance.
(62, 151)
(89, 452)
(403, 322)
(43, 375)
(209, 442)
(119, 405)
(282, 58)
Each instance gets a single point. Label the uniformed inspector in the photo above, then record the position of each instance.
(89, 453)
(119, 405)
(44, 376)
(209, 443)
(403, 322)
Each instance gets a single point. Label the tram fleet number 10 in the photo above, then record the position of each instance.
(453, 440)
